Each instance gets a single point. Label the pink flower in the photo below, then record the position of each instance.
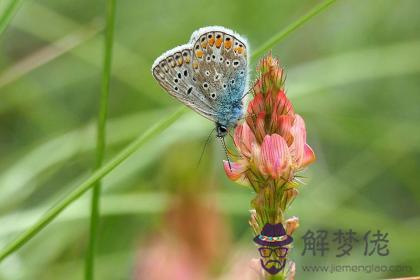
(272, 141)
(272, 149)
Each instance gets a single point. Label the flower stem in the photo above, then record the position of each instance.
(290, 28)
(101, 137)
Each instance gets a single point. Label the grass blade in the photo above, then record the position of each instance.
(9, 12)
(101, 137)
(290, 28)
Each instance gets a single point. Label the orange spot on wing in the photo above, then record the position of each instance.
(228, 44)
(199, 53)
(218, 42)
(179, 61)
(211, 41)
(239, 50)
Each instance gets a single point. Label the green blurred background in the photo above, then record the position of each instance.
(352, 73)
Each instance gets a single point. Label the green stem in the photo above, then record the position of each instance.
(101, 137)
(9, 12)
(290, 28)
(89, 183)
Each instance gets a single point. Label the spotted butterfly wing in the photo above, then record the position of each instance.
(209, 74)
(173, 71)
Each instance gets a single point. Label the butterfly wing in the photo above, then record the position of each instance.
(208, 75)
(219, 61)
(173, 70)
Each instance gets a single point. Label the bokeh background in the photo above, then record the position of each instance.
(353, 73)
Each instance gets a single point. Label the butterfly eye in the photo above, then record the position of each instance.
(179, 75)
(213, 96)
(235, 63)
(176, 88)
(222, 129)
(224, 85)
(207, 73)
(185, 73)
(208, 58)
(232, 81)
(205, 85)
(176, 80)
(189, 90)
(227, 62)
(221, 59)
(242, 72)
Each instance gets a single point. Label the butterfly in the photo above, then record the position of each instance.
(209, 75)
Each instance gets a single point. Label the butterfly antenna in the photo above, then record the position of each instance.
(222, 140)
(205, 145)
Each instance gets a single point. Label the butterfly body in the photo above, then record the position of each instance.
(209, 75)
(230, 107)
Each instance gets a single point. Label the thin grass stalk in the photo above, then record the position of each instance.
(101, 138)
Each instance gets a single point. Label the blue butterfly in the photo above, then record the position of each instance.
(209, 75)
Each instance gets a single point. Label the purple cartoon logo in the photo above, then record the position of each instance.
(273, 242)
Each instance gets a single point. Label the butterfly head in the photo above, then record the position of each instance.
(221, 130)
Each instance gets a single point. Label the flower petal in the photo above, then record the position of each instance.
(284, 124)
(299, 140)
(308, 156)
(243, 139)
(291, 225)
(275, 156)
(282, 104)
(256, 156)
(260, 127)
(236, 169)
(256, 105)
